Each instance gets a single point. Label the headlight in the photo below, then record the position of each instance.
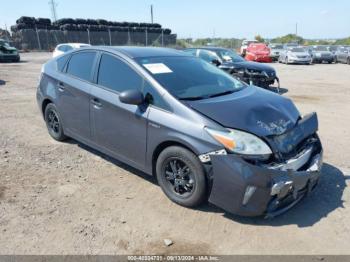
(240, 142)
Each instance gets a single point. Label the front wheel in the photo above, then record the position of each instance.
(181, 176)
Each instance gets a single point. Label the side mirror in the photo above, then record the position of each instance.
(131, 97)
(216, 62)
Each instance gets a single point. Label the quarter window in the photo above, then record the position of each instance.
(117, 75)
(61, 62)
(81, 64)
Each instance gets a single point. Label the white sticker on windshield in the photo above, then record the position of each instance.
(158, 68)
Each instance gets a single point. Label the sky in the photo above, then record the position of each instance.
(203, 18)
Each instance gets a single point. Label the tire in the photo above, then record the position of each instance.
(348, 61)
(191, 187)
(53, 123)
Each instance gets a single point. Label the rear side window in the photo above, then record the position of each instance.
(117, 75)
(61, 62)
(81, 64)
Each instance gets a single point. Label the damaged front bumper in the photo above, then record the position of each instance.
(250, 188)
(245, 189)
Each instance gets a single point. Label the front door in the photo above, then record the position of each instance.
(119, 128)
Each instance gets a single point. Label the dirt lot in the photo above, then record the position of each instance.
(64, 198)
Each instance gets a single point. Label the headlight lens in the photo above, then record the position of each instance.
(240, 142)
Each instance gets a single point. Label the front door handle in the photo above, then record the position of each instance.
(60, 86)
(96, 102)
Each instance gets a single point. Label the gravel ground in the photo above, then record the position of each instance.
(65, 198)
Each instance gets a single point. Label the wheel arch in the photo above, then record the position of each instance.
(44, 104)
(162, 146)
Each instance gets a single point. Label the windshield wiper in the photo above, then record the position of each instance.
(193, 98)
(222, 93)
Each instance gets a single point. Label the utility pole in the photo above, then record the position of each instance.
(296, 29)
(53, 5)
(152, 14)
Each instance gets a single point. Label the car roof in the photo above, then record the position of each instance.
(139, 52)
(211, 48)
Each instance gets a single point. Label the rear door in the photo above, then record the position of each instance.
(118, 128)
(74, 94)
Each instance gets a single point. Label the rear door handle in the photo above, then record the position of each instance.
(60, 86)
(96, 102)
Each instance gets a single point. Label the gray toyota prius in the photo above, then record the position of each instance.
(204, 134)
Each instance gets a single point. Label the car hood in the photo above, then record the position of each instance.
(249, 65)
(252, 109)
(322, 52)
(300, 53)
(259, 52)
(8, 48)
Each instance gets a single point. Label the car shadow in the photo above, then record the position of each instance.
(114, 161)
(326, 198)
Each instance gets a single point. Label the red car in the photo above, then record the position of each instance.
(258, 53)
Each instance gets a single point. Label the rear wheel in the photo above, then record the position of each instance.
(181, 176)
(53, 123)
(348, 61)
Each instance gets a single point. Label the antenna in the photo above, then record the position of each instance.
(53, 5)
(152, 14)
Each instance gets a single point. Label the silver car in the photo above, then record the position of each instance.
(321, 54)
(295, 55)
(276, 50)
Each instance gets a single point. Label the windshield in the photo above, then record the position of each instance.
(320, 48)
(230, 56)
(190, 78)
(273, 46)
(297, 50)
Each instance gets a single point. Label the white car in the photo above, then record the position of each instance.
(63, 48)
(245, 44)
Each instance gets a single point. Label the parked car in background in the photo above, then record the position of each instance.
(320, 54)
(342, 55)
(295, 55)
(202, 133)
(63, 48)
(276, 50)
(333, 48)
(245, 45)
(8, 53)
(259, 53)
(249, 72)
(288, 45)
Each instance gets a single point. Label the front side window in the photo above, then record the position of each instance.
(190, 78)
(81, 64)
(117, 75)
(153, 97)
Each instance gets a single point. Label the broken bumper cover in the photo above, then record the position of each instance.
(245, 189)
